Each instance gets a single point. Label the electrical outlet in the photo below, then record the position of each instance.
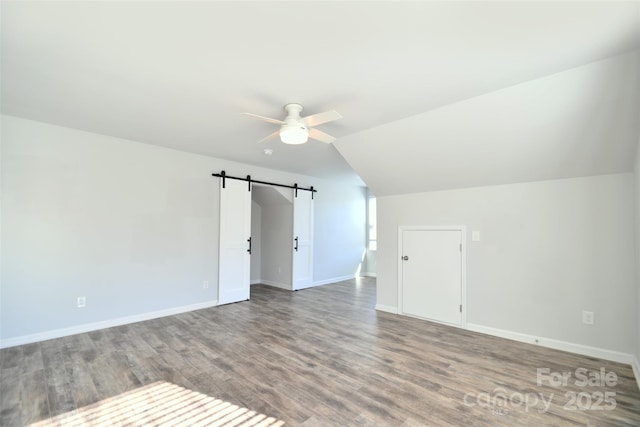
(587, 317)
(205, 284)
(81, 302)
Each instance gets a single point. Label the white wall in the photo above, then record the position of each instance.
(339, 228)
(369, 265)
(637, 212)
(133, 227)
(256, 242)
(548, 250)
(277, 245)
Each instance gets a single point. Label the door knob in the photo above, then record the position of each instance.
(406, 258)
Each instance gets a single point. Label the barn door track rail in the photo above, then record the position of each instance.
(248, 178)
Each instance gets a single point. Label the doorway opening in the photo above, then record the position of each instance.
(271, 228)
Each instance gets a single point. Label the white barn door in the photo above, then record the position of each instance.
(431, 274)
(302, 240)
(234, 266)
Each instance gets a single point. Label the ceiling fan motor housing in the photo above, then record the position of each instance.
(293, 110)
(293, 131)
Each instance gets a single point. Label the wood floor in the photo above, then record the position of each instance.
(317, 357)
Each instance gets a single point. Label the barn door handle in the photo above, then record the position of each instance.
(249, 250)
(406, 258)
(296, 246)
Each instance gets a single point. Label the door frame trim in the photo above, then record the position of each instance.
(463, 267)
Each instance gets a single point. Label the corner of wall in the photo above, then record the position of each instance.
(387, 308)
(636, 365)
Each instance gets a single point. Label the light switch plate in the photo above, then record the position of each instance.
(475, 236)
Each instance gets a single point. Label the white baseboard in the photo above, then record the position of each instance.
(636, 370)
(333, 280)
(277, 285)
(317, 283)
(585, 350)
(255, 282)
(88, 327)
(387, 308)
(369, 274)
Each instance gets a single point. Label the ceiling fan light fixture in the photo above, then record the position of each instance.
(294, 134)
(298, 130)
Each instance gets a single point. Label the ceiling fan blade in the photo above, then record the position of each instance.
(321, 136)
(320, 118)
(266, 119)
(270, 136)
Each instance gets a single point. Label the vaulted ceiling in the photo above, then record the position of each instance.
(434, 95)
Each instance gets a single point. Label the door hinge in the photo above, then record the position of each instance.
(460, 308)
(460, 247)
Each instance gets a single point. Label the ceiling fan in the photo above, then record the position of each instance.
(297, 130)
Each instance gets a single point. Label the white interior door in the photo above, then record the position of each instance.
(234, 268)
(432, 274)
(302, 240)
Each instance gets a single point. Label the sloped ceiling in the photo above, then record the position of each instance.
(434, 94)
(269, 196)
(579, 122)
